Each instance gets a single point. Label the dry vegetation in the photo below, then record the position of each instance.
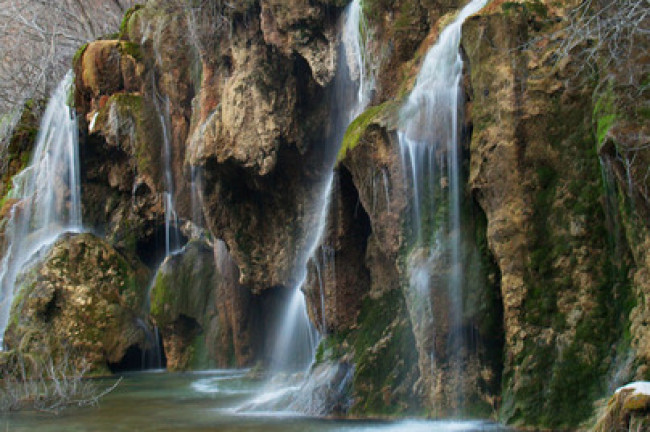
(207, 22)
(32, 381)
(38, 39)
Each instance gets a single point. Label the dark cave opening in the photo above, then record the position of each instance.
(138, 359)
(151, 249)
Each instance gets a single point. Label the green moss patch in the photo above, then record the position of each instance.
(124, 25)
(604, 114)
(132, 49)
(78, 54)
(384, 358)
(161, 294)
(358, 127)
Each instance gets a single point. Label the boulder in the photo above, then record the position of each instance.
(83, 297)
(627, 410)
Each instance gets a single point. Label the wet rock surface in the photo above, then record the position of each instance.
(556, 206)
(627, 409)
(184, 307)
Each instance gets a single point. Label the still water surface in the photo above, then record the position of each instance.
(201, 401)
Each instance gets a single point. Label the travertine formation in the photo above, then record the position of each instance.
(83, 299)
(555, 204)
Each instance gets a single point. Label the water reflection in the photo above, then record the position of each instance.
(199, 402)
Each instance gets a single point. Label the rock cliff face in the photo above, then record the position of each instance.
(443, 368)
(226, 107)
(255, 137)
(553, 220)
(205, 317)
(218, 106)
(535, 169)
(121, 147)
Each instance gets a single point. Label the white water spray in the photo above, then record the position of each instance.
(429, 145)
(47, 194)
(352, 79)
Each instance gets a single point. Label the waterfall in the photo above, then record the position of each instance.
(172, 240)
(196, 198)
(172, 233)
(429, 145)
(351, 93)
(47, 194)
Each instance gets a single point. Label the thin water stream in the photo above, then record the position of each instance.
(172, 238)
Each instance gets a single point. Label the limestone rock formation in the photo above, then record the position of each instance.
(535, 171)
(229, 124)
(306, 29)
(555, 203)
(371, 155)
(252, 146)
(81, 297)
(183, 306)
(239, 313)
(120, 149)
(627, 409)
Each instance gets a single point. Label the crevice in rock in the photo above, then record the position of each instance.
(151, 249)
(132, 360)
(51, 309)
(136, 358)
(187, 327)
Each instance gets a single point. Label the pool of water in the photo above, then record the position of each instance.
(201, 401)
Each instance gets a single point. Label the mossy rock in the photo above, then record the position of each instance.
(20, 146)
(381, 347)
(132, 49)
(183, 306)
(604, 114)
(128, 120)
(98, 68)
(184, 284)
(380, 115)
(78, 54)
(627, 409)
(82, 294)
(126, 21)
(384, 357)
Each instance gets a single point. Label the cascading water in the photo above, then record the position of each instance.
(325, 265)
(621, 369)
(297, 337)
(429, 145)
(172, 238)
(196, 198)
(172, 225)
(47, 194)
